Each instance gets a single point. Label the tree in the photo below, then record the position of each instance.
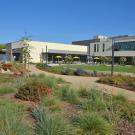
(26, 57)
(103, 59)
(109, 60)
(133, 61)
(2, 46)
(123, 60)
(68, 59)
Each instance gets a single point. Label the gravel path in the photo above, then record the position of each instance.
(88, 82)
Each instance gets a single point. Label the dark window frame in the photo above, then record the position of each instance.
(95, 47)
(103, 47)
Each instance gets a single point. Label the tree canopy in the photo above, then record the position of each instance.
(2, 46)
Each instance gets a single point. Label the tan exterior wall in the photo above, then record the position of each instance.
(37, 47)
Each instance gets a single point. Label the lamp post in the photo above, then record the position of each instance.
(46, 55)
(112, 67)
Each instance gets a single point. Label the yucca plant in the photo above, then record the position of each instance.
(48, 124)
(93, 124)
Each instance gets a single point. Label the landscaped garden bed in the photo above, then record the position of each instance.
(71, 71)
(86, 70)
(125, 82)
(62, 110)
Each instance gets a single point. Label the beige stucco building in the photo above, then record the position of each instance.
(39, 50)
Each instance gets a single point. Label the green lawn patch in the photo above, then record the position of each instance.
(128, 69)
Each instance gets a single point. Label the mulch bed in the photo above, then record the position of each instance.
(126, 87)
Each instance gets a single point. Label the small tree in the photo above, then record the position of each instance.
(133, 61)
(109, 60)
(123, 60)
(2, 46)
(26, 55)
(68, 59)
(103, 59)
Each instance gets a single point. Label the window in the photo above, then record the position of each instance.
(125, 46)
(103, 47)
(95, 47)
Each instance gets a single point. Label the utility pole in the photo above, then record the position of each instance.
(113, 48)
(11, 53)
(42, 57)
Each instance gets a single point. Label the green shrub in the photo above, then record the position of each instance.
(32, 91)
(48, 124)
(52, 103)
(119, 80)
(41, 65)
(69, 94)
(12, 119)
(55, 69)
(133, 84)
(93, 124)
(81, 72)
(68, 71)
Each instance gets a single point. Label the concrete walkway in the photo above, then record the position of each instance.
(87, 82)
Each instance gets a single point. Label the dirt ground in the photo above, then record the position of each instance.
(87, 82)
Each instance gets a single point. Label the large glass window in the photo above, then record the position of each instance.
(125, 46)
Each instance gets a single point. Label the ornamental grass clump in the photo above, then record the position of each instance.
(126, 82)
(50, 81)
(95, 101)
(123, 108)
(93, 124)
(68, 94)
(12, 119)
(83, 92)
(49, 124)
(52, 103)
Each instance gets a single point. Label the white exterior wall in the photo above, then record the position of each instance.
(37, 47)
(108, 49)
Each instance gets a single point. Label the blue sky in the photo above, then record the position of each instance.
(65, 20)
